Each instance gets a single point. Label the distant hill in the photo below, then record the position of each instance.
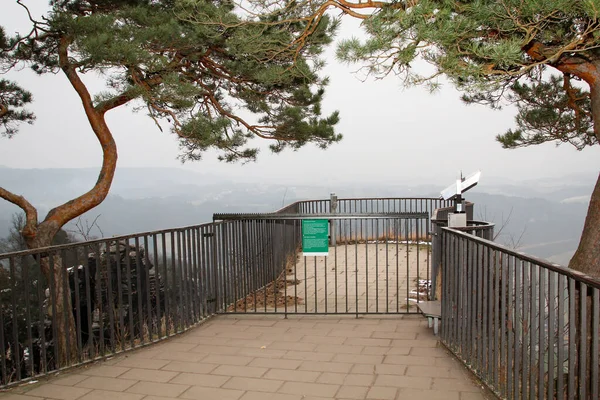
(546, 215)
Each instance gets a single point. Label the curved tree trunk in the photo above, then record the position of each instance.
(587, 257)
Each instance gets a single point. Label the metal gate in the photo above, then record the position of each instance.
(377, 263)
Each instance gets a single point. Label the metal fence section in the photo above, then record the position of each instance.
(122, 293)
(116, 294)
(377, 265)
(529, 329)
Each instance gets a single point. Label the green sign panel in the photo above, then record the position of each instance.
(315, 237)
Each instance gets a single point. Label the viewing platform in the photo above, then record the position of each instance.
(268, 357)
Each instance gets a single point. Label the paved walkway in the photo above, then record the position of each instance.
(268, 357)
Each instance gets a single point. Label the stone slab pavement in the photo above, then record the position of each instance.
(235, 357)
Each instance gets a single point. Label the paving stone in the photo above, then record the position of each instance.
(105, 370)
(270, 396)
(70, 380)
(141, 363)
(294, 346)
(149, 375)
(332, 378)
(275, 364)
(294, 376)
(236, 370)
(324, 366)
(201, 393)
(403, 381)
(409, 360)
(15, 396)
(158, 389)
(198, 368)
(307, 355)
(51, 391)
(309, 389)
(106, 383)
(429, 371)
(406, 393)
(382, 393)
(358, 359)
(200, 379)
(461, 385)
(257, 385)
(227, 360)
(180, 356)
(108, 395)
(352, 392)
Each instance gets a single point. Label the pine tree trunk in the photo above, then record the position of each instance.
(59, 306)
(587, 257)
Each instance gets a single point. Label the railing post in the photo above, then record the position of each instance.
(333, 206)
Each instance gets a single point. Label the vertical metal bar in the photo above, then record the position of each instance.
(110, 297)
(347, 237)
(541, 332)
(387, 263)
(146, 265)
(501, 333)
(66, 311)
(367, 268)
(16, 353)
(335, 266)
(480, 309)
(532, 329)
(316, 287)
(511, 371)
(406, 233)
(99, 300)
(2, 339)
(297, 224)
(594, 334)
(167, 315)
(525, 328)
(560, 361)
(583, 341)
(376, 264)
(203, 270)
(398, 234)
(77, 305)
(157, 286)
(127, 256)
(486, 362)
(139, 289)
(572, 339)
(120, 306)
(356, 267)
(552, 332)
(177, 290)
(518, 326)
(88, 298)
(27, 285)
(41, 325)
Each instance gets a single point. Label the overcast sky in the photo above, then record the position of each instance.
(390, 134)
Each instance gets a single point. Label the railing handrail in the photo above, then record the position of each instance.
(529, 258)
(101, 240)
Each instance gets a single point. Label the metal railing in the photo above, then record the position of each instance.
(121, 293)
(528, 328)
(102, 297)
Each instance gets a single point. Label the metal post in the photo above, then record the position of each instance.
(333, 207)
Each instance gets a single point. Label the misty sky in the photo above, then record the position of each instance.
(390, 133)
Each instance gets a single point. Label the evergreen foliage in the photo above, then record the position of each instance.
(218, 77)
(498, 53)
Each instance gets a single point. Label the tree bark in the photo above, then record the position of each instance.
(587, 256)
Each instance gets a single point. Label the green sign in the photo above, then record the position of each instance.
(315, 237)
